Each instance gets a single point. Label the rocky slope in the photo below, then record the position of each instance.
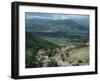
(76, 56)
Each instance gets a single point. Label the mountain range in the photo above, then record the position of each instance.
(66, 25)
(61, 28)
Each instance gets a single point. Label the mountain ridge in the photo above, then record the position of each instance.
(68, 25)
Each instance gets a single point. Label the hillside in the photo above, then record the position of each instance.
(41, 53)
(74, 57)
(37, 43)
(33, 45)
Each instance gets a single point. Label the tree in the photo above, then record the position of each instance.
(52, 63)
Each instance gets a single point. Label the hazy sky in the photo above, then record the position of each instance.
(53, 16)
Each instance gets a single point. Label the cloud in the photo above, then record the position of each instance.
(31, 17)
(53, 16)
(60, 17)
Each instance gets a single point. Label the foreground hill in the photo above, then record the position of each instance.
(33, 45)
(74, 57)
